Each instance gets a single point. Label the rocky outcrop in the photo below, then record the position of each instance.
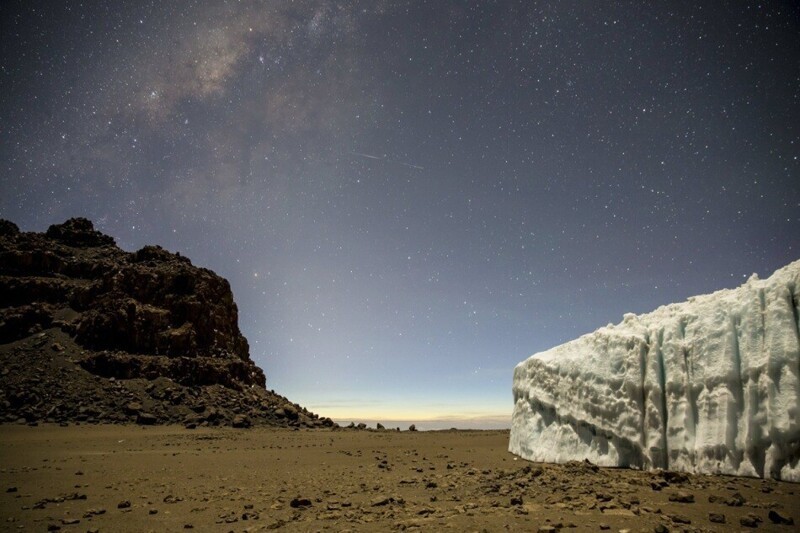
(73, 299)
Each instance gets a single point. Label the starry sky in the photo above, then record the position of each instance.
(411, 197)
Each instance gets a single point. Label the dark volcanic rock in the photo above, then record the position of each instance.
(90, 332)
(147, 302)
(778, 518)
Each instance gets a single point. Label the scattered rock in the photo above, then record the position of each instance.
(380, 501)
(132, 408)
(41, 504)
(777, 518)
(300, 503)
(682, 497)
(674, 477)
(717, 518)
(146, 419)
(736, 500)
(241, 421)
(750, 520)
(124, 504)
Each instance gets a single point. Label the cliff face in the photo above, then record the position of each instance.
(148, 303)
(711, 385)
(144, 315)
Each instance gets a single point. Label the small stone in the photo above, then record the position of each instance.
(146, 419)
(717, 518)
(241, 421)
(124, 504)
(605, 527)
(750, 520)
(53, 527)
(380, 500)
(547, 529)
(516, 500)
(661, 528)
(736, 500)
(152, 511)
(680, 519)
(132, 408)
(11, 489)
(674, 477)
(778, 518)
(300, 503)
(70, 521)
(682, 497)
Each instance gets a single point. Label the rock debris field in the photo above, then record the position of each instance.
(169, 478)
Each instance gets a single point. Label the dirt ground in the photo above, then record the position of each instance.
(168, 478)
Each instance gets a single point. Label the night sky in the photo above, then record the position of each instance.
(409, 198)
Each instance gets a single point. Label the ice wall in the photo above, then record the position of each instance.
(708, 386)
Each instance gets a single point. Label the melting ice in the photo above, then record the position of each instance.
(707, 386)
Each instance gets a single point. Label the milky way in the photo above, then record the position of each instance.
(408, 198)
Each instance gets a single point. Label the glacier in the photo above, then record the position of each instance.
(709, 385)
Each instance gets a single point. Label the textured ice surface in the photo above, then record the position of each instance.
(709, 386)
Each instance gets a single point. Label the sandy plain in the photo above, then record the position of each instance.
(168, 478)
